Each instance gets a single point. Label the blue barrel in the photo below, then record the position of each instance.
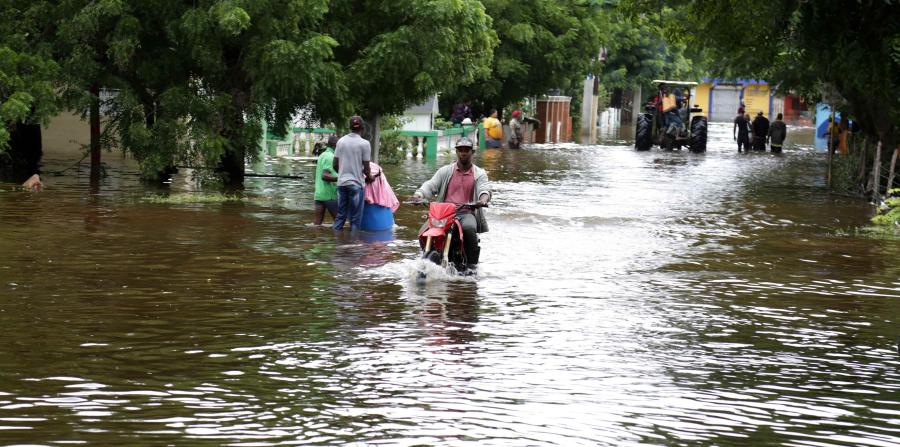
(376, 218)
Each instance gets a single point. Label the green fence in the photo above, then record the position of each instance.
(434, 140)
(431, 140)
(299, 140)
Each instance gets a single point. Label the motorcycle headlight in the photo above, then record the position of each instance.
(438, 223)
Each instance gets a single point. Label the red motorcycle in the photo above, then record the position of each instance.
(441, 239)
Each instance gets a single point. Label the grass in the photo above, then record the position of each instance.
(191, 198)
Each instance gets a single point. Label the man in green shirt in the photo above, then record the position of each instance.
(326, 186)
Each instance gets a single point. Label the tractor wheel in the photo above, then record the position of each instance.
(643, 132)
(698, 134)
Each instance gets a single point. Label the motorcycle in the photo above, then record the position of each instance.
(442, 240)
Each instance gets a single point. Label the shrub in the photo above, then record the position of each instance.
(440, 123)
(889, 211)
(844, 174)
(392, 149)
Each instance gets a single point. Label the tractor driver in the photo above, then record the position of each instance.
(673, 109)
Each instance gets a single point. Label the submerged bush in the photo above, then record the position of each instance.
(889, 211)
(192, 198)
(844, 174)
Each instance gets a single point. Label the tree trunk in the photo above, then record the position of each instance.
(374, 134)
(890, 183)
(830, 147)
(95, 130)
(863, 157)
(231, 164)
(876, 174)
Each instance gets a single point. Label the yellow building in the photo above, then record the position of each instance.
(701, 99)
(756, 99)
(720, 100)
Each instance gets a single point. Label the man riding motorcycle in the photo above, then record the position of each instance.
(462, 182)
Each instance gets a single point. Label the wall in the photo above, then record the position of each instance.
(417, 122)
(756, 99)
(65, 135)
(701, 98)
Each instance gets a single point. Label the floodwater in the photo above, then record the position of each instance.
(624, 298)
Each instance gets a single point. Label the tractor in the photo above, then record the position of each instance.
(669, 121)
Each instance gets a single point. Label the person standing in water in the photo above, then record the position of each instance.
(326, 196)
(777, 134)
(351, 162)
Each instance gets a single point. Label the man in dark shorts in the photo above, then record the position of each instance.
(741, 131)
(760, 131)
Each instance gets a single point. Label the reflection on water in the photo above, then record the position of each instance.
(624, 297)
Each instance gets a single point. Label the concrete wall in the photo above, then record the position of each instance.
(65, 136)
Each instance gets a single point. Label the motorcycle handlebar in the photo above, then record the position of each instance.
(470, 205)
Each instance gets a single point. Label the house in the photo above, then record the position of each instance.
(421, 117)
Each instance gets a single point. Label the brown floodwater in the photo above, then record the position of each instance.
(623, 298)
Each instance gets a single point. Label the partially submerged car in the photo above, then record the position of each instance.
(669, 121)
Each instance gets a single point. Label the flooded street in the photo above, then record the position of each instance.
(623, 298)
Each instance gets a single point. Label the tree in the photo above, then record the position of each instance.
(194, 80)
(543, 45)
(398, 53)
(639, 52)
(27, 81)
(853, 47)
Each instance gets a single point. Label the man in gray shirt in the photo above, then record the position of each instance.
(351, 162)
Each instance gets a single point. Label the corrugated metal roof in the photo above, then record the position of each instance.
(427, 107)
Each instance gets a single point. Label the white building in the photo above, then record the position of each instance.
(421, 117)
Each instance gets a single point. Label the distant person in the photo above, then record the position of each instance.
(843, 146)
(493, 130)
(657, 104)
(326, 196)
(832, 135)
(741, 132)
(516, 130)
(351, 162)
(461, 111)
(760, 127)
(777, 134)
(672, 106)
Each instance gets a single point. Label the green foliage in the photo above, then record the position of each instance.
(230, 18)
(846, 47)
(440, 123)
(638, 51)
(194, 80)
(27, 70)
(542, 45)
(400, 52)
(844, 174)
(393, 149)
(191, 198)
(889, 212)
